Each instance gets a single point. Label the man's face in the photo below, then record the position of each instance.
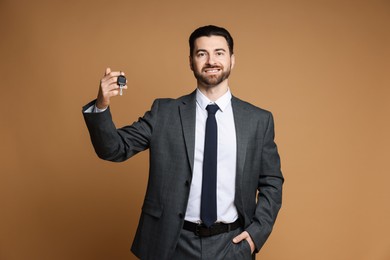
(211, 61)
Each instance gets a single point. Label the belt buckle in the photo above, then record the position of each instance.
(197, 229)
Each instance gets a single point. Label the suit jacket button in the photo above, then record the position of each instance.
(181, 215)
(187, 183)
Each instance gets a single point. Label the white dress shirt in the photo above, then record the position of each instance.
(226, 160)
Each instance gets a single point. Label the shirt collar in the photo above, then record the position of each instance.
(222, 102)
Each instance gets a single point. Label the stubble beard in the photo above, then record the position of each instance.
(212, 80)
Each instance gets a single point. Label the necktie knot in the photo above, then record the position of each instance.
(212, 109)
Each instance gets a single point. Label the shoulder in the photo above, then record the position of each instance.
(250, 108)
(174, 102)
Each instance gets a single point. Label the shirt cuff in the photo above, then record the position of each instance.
(94, 109)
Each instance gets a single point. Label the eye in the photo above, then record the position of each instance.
(201, 54)
(220, 53)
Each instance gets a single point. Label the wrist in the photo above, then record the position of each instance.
(100, 105)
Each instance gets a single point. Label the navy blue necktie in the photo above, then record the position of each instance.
(208, 211)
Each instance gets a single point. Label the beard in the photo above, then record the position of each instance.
(211, 80)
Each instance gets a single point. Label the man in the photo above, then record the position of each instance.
(215, 185)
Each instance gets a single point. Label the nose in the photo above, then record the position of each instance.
(211, 59)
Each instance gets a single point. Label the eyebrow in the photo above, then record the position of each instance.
(203, 50)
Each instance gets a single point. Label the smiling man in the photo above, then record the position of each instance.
(211, 61)
(215, 184)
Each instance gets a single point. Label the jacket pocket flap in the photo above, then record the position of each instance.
(152, 208)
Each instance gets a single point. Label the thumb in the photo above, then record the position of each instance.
(108, 70)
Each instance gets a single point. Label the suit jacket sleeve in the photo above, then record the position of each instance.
(269, 190)
(119, 144)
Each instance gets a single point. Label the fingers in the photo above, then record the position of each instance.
(245, 236)
(111, 76)
(109, 81)
(108, 87)
(240, 237)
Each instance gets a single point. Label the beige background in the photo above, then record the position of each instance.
(322, 68)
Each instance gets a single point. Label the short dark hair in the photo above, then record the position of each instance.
(210, 30)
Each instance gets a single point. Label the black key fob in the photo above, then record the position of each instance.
(121, 80)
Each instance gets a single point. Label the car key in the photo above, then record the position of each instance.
(121, 81)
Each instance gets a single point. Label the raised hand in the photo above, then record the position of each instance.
(108, 88)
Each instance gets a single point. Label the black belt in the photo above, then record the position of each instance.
(202, 231)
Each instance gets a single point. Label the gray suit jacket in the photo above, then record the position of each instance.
(168, 130)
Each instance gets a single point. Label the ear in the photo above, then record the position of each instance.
(190, 60)
(232, 61)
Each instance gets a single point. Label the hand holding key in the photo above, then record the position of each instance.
(111, 85)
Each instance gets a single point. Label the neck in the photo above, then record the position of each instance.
(214, 92)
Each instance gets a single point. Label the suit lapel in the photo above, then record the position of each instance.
(187, 110)
(241, 124)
